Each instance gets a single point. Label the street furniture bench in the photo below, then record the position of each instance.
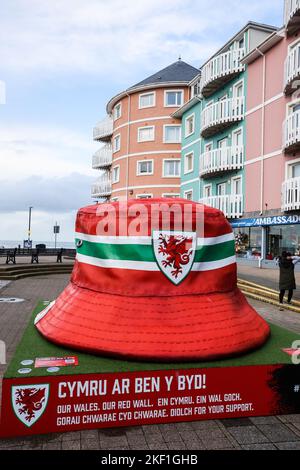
(34, 254)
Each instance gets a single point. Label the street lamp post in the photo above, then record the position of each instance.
(29, 224)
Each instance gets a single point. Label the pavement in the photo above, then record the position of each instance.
(265, 433)
(266, 277)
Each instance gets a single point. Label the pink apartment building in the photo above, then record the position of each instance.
(271, 222)
(141, 155)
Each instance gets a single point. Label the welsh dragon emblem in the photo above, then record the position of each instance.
(29, 402)
(174, 253)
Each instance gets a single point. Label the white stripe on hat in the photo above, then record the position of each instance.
(149, 265)
(43, 312)
(123, 240)
(211, 265)
(114, 240)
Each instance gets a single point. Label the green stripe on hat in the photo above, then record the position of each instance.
(145, 252)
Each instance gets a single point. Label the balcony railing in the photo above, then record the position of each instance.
(230, 205)
(102, 187)
(291, 195)
(220, 160)
(220, 70)
(221, 114)
(103, 157)
(291, 132)
(292, 70)
(104, 129)
(291, 15)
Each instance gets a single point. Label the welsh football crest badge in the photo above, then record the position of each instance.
(174, 253)
(29, 402)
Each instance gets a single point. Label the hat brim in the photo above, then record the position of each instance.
(163, 329)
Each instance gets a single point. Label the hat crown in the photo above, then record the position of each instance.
(154, 247)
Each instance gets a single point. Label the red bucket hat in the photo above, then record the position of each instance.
(157, 295)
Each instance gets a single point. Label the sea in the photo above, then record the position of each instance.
(49, 244)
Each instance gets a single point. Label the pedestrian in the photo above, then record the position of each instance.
(287, 279)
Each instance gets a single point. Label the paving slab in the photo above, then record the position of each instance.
(294, 445)
(278, 432)
(248, 435)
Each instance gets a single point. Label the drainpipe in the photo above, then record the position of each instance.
(128, 144)
(262, 164)
(199, 98)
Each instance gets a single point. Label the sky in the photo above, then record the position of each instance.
(60, 62)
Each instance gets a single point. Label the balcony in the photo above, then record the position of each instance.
(291, 133)
(220, 70)
(220, 115)
(103, 130)
(103, 158)
(215, 162)
(292, 15)
(291, 195)
(292, 70)
(231, 205)
(102, 187)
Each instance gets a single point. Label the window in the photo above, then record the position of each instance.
(173, 98)
(145, 167)
(117, 143)
(241, 43)
(207, 191)
(144, 196)
(195, 89)
(116, 174)
(208, 147)
(189, 163)
(171, 196)
(147, 100)
(172, 134)
(171, 168)
(222, 146)
(117, 111)
(188, 195)
(190, 125)
(236, 186)
(221, 189)
(238, 90)
(294, 170)
(146, 134)
(237, 138)
(248, 242)
(294, 108)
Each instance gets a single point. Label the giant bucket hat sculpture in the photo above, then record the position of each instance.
(164, 296)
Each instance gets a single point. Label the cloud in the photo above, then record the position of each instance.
(100, 36)
(56, 194)
(27, 150)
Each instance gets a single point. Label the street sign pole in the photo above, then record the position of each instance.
(56, 230)
(29, 223)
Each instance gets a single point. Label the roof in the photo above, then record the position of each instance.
(186, 107)
(264, 46)
(179, 71)
(249, 25)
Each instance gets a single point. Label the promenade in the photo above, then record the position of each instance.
(266, 277)
(282, 432)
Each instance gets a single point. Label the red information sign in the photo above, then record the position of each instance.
(64, 403)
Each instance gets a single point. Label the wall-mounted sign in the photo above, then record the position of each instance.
(267, 221)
